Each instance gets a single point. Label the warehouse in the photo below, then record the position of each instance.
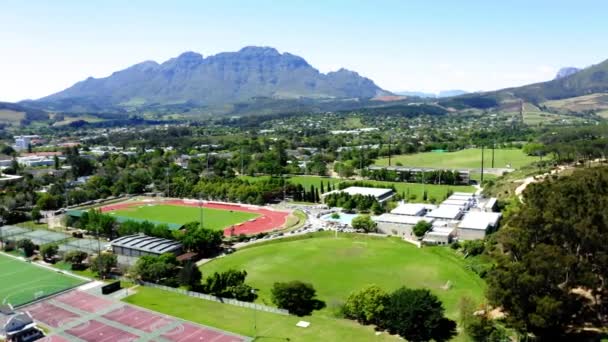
(140, 244)
(446, 212)
(413, 209)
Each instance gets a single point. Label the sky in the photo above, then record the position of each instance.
(432, 45)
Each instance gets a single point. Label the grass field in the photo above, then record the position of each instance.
(216, 219)
(434, 191)
(465, 159)
(240, 320)
(338, 266)
(21, 282)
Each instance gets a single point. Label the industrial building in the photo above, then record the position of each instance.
(400, 225)
(476, 224)
(139, 245)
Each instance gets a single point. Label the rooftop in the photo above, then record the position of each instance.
(403, 219)
(450, 212)
(146, 243)
(381, 194)
(412, 209)
(479, 220)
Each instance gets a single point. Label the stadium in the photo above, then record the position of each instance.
(231, 218)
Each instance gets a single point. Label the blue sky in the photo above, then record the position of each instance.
(46, 46)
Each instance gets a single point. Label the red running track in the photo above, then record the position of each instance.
(267, 221)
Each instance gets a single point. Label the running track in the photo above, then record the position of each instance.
(267, 221)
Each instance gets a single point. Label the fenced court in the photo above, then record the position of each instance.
(83, 316)
(22, 282)
(91, 246)
(38, 236)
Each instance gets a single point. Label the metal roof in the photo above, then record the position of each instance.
(146, 243)
(412, 209)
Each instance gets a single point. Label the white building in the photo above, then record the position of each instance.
(380, 194)
(22, 142)
(446, 212)
(399, 225)
(413, 209)
(476, 224)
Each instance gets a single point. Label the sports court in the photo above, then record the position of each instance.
(231, 218)
(22, 282)
(37, 236)
(84, 316)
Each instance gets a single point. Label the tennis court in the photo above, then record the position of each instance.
(23, 282)
(37, 236)
(90, 246)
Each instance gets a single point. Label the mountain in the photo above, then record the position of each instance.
(587, 81)
(442, 93)
(14, 114)
(450, 93)
(565, 72)
(226, 78)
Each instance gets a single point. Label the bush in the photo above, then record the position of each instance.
(421, 228)
(49, 251)
(367, 305)
(28, 247)
(364, 222)
(10, 245)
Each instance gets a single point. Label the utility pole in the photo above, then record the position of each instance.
(493, 148)
(200, 202)
(241, 160)
(481, 182)
(389, 149)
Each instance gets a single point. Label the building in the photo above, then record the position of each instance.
(476, 224)
(23, 142)
(464, 175)
(139, 245)
(413, 209)
(439, 235)
(17, 326)
(446, 212)
(399, 225)
(381, 195)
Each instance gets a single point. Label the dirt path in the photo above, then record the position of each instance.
(535, 179)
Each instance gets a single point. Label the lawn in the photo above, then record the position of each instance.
(338, 266)
(22, 282)
(434, 191)
(240, 320)
(216, 219)
(465, 159)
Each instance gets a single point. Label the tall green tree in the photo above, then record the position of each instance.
(552, 263)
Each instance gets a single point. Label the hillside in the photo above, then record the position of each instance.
(15, 114)
(191, 80)
(591, 80)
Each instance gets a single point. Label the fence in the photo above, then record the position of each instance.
(90, 246)
(235, 302)
(37, 236)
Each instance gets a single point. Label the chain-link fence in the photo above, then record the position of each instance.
(235, 302)
(90, 246)
(37, 236)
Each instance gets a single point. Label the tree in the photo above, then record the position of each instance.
(421, 228)
(296, 297)
(76, 258)
(49, 251)
(417, 315)
(36, 215)
(28, 247)
(552, 250)
(190, 276)
(48, 202)
(201, 240)
(377, 208)
(366, 305)
(229, 284)
(103, 263)
(157, 269)
(364, 222)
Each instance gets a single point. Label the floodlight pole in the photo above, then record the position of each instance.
(200, 201)
(255, 320)
(481, 181)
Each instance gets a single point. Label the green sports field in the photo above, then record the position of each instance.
(22, 282)
(216, 219)
(338, 266)
(433, 190)
(465, 159)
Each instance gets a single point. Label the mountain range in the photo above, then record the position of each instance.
(226, 78)
(440, 94)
